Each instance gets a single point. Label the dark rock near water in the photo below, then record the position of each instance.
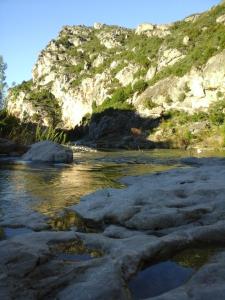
(11, 148)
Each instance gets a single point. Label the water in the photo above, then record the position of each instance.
(164, 276)
(74, 251)
(158, 279)
(48, 189)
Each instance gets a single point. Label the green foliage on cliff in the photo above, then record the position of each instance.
(140, 86)
(25, 87)
(45, 101)
(116, 101)
(217, 112)
(206, 36)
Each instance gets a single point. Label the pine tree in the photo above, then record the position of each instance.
(3, 67)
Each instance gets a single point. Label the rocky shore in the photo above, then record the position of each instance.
(113, 234)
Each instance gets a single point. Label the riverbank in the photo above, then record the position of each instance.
(123, 231)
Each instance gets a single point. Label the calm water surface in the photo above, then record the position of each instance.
(48, 189)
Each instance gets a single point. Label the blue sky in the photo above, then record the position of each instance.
(26, 26)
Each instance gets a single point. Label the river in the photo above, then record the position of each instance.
(46, 190)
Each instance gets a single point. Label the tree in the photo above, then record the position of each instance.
(3, 67)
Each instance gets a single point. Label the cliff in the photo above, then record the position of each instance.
(153, 70)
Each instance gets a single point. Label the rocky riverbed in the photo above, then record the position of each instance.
(113, 235)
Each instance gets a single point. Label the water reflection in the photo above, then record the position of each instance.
(49, 189)
(196, 257)
(158, 279)
(74, 251)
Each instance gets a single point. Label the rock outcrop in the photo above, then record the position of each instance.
(153, 69)
(152, 30)
(195, 91)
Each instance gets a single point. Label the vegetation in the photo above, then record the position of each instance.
(149, 104)
(25, 87)
(217, 112)
(27, 133)
(206, 39)
(176, 127)
(140, 86)
(50, 134)
(3, 67)
(42, 99)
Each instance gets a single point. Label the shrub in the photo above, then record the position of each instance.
(140, 86)
(149, 104)
(217, 112)
(25, 86)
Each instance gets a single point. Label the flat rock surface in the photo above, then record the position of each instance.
(152, 219)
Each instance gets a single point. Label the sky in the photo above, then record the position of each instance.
(26, 26)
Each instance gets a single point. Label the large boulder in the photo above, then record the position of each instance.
(48, 151)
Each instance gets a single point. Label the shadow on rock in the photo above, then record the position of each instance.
(116, 128)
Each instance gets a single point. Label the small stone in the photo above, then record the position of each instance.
(186, 40)
(221, 19)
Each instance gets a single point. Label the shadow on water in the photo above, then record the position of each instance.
(166, 275)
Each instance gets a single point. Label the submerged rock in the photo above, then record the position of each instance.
(48, 151)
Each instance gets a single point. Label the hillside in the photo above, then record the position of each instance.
(157, 84)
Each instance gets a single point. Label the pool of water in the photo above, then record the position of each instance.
(158, 279)
(164, 276)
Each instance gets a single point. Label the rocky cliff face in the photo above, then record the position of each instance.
(152, 69)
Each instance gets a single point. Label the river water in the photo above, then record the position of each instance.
(48, 189)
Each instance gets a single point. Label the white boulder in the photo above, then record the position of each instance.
(48, 151)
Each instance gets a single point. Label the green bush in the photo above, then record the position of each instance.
(140, 86)
(149, 104)
(116, 101)
(25, 86)
(217, 112)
